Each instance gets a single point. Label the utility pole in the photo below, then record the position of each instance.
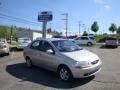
(44, 30)
(66, 20)
(88, 30)
(11, 34)
(50, 25)
(79, 28)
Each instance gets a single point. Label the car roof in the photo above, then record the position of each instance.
(51, 39)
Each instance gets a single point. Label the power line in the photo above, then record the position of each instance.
(3, 12)
(16, 19)
(13, 20)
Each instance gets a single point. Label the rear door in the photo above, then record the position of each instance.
(34, 52)
(78, 41)
(84, 40)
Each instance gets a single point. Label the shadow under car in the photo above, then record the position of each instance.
(43, 76)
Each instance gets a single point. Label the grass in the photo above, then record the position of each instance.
(102, 38)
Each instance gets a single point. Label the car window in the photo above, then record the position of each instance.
(58, 37)
(66, 46)
(45, 46)
(78, 38)
(2, 40)
(84, 38)
(35, 45)
(92, 38)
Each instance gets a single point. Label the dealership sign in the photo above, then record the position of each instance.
(45, 16)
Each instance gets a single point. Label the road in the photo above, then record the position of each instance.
(14, 75)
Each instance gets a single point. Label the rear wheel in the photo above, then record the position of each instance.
(28, 62)
(116, 46)
(89, 44)
(8, 54)
(64, 73)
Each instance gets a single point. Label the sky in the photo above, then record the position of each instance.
(86, 12)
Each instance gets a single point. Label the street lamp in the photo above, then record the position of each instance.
(66, 20)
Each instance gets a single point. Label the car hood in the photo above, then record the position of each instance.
(82, 55)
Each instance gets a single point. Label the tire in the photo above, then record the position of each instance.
(8, 54)
(64, 73)
(116, 46)
(28, 62)
(89, 44)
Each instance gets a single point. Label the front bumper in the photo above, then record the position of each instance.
(21, 46)
(86, 72)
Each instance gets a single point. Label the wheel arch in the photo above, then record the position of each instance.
(64, 65)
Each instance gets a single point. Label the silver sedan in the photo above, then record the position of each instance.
(4, 46)
(62, 56)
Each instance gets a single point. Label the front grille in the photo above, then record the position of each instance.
(95, 62)
(87, 74)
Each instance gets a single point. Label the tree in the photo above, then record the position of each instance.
(95, 27)
(118, 30)
(3, 32)
(113, 28)
(85, 33)
(49, 30)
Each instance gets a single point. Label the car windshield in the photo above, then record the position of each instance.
(2, 40)
(23, 40)
(58, 37)
(66, 46)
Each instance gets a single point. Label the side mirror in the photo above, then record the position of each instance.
(50, 51)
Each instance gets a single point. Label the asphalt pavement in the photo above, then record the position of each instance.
(14, 75)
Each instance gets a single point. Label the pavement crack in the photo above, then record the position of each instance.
(106, 82)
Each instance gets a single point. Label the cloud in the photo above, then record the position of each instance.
(107, 6)
(99, 1)
(102, 3)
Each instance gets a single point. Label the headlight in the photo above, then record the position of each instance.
(82, 64)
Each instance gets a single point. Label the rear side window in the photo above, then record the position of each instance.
(78, 38)
(92, 38)
(45, 46)
(35, 45)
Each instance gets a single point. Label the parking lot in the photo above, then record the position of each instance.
(14, 75)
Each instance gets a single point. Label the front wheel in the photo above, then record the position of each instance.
(28, 63)
(89, 44)
(7, 54)
(64, 73)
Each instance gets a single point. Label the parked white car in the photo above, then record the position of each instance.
(4, 46)
(85, 40)
(23, 42)
(62, 56)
